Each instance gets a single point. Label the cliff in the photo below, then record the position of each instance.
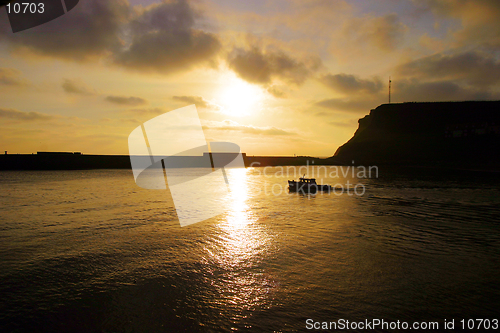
(453, 133)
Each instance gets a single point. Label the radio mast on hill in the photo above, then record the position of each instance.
(389, 90)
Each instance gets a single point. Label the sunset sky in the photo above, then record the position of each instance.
(276, 77)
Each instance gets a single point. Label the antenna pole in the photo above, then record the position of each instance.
(389, 90)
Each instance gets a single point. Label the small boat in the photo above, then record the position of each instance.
(307, 185)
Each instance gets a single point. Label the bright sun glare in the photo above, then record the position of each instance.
(240, 98)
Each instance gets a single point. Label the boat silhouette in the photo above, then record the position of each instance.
(307, 185)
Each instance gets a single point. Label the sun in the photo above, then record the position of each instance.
(240, 98)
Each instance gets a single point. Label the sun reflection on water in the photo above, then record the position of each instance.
(239, 212)
(237, 250)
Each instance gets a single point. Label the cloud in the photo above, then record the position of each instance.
(264, 66)
(480, 70)
(315, 16)
(349, 84)
(126, 101)
(197, 100)
(434, 44)
(129, 121)
(407, 90)
(436, 91)
(76, 86)
(159, 38)
(23, 116)
(11, 77)
(276, 92)
(310, 20)
(162, 38)
(229, 125)
(384, 32)
(479, 19)
(351, 123)
(90, 30)
(349, 104)
(362, 94)
(147, 112)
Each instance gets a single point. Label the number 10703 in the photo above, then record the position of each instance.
(26, 7)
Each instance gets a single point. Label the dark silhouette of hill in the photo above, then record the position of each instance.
(435, 133)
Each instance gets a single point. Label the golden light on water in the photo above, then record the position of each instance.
(239, 213)
(238, 247)
(241, 238)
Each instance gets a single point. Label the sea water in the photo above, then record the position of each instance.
(88, 251)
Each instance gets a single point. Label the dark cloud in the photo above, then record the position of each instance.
(480, 70)
(126, 101)
(23, 116)
(438, 91)
(404, 90)
(159, 38)
(90, 30)
(76, 86)
(228, 125)
(362, 94)
(262, 67)
(197, 100)
(349, 84)
(163, 39)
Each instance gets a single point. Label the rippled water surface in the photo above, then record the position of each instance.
(87, 251)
